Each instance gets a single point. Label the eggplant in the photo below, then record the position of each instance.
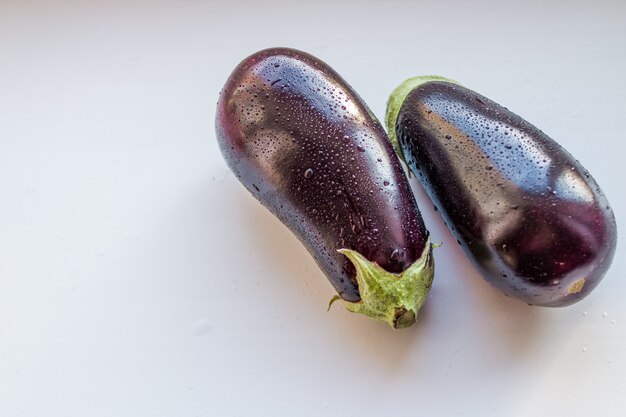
(305, 145)
(530, 217)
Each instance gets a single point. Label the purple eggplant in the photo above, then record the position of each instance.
(308, 148)
(529, 216)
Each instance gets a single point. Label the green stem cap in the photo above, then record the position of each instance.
(394, 104)
(385, 296)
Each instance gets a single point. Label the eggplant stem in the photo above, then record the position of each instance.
(395, 102)
(385, 296)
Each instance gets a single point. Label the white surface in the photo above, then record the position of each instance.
(138, 278)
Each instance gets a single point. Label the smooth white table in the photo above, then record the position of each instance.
(139, 278)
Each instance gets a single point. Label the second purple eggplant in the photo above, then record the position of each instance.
(530, 216)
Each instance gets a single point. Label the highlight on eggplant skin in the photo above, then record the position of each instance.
(530, 216)
(307, 147)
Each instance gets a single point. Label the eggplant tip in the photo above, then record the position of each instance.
(577, 286)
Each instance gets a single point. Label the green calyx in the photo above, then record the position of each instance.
(385, 296)
(396, 99)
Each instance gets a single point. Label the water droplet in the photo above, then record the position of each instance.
(202, 327)
(385, 183)
(308, 173)
(360, 148)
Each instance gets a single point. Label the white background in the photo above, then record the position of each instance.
(139, 278)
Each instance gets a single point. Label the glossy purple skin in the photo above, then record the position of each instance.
(526, 212)
(306, 146)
